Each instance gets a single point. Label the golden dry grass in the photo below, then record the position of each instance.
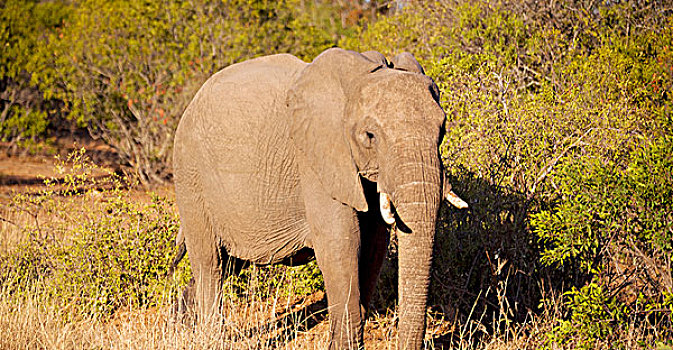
(28, 322)
(33, 319)
(32, 322)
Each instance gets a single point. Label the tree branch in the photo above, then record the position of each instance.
(546, 170)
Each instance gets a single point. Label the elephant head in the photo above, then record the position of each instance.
(357, 115)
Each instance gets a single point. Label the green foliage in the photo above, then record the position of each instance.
(596, 316)
(92, 249)
(25, 114)
(559, 136)
(602, 203)
(274, 281)
(23, 123)
(125, 70)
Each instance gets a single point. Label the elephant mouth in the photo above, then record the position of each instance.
(388, 213)
(370, 174)
(386, 206)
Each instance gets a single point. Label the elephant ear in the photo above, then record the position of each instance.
(317, 104)
(406, 62)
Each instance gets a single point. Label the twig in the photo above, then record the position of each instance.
(548, 168)
(11, 222)
(662, 277)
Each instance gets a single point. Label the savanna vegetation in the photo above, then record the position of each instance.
(559, 135)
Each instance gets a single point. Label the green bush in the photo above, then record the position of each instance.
(596, 316)
(558, 130)
(25, 113)
(125, 70)
(271, 282)
(96, 244)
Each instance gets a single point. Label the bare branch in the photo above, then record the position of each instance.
(546, 170)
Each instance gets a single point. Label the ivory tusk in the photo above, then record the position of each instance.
(386, 213)
(455, 200)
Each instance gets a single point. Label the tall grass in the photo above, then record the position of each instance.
(88, 269)
(31, 320)
(85, 266)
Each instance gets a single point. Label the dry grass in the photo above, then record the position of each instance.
(31, 322)
(253, 319)
(11, 228)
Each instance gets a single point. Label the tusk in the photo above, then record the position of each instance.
(455, 200)
(384, 202)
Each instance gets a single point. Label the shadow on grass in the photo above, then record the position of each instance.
(486, 274)
(284, 329)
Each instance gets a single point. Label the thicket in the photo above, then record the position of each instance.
(88, 246)
(559, 135)
(25, 112)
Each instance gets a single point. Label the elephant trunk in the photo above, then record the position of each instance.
(416, 197)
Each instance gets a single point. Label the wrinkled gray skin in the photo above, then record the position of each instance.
(277, 160)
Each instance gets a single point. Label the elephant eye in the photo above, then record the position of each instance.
(370, 136)
(368, 139)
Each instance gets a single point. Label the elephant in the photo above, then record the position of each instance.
(281, 161)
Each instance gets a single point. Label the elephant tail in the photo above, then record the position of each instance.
(182, 250)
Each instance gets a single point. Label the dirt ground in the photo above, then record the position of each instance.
(22, 171)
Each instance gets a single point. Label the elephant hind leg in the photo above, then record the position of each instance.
(208, 264)
(206, 257)
(203, 294)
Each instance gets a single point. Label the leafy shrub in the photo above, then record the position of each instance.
(274, 281)
(558, 119)
(25, 113)
(596, 316)
(97, 245)
(126, 70)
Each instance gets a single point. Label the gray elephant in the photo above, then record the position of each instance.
(277, 160)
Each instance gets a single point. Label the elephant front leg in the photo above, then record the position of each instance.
(336, 243)
(337, 258)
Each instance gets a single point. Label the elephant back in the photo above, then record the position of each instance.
(232, 148)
